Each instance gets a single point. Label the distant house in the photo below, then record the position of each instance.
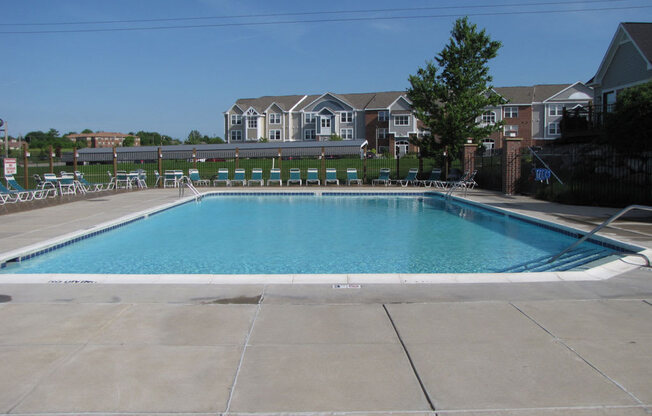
(384, 119)
(627, 63)
(102, 139)
(533, 113)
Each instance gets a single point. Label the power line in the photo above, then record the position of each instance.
(350, 19)
(325, 12)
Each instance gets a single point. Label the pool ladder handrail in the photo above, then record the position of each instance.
(601, 226)
(184, 180)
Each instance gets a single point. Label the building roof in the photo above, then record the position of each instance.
(530, 94)
(357, 100)
(99, 134)
(641, 34)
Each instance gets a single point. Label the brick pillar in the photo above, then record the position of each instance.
(511, 164)
(468, 158)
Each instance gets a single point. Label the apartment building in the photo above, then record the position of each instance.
(533, 113)
(384, 119)
(102, 139)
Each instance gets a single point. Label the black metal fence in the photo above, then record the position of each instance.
(591, 175)
(489, 166)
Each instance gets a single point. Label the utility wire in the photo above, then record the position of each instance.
(325, 12)
(350, 19)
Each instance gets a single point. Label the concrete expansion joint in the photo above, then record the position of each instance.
(586, 361)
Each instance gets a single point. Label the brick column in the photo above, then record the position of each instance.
(511, 164)
(468, 158)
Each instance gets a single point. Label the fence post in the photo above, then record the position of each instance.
(468, 159)
(511, 164)
(25, 165)
(50, 159)
(279, 161)
(74, 162)
(115, 162)
(398, 166)
(322, 172)
(237, 158)
(364, 166)
(194, 157)
(160, 166)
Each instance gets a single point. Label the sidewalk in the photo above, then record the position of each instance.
(563, 348)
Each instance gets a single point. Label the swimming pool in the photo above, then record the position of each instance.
(313, 234)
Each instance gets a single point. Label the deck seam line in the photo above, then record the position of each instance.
(587, 362)
(407, 354)
(244, 350)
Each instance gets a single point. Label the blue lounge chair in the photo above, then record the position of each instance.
(352, 176)
(383, 177)
(36, 193)
(410, 179)
(331, 176)
(169, 179)
(89, 186)
(256, 177)
(313, 176)
(222, 177)
(193, 175)
(433, 180)
(275, 176)
(15, 196)
(295, 177)
(65, 184)
(239, 177)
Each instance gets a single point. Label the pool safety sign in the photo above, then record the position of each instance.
(11, 168)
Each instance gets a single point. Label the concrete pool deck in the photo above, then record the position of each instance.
(537, 348)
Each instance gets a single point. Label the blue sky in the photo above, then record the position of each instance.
(176, 80)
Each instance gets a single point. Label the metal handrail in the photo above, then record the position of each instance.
(186, 180)
(601, 226)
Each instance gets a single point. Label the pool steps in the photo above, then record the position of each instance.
(569, 261)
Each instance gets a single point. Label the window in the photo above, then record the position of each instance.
(488, 144)
(309, 118)
(346, 117)
(275, 135)
(402, 120)
(236, 119)
(556, 109)
(554, 129)
(489, 117)
(274, 118)
(236, 135)
(511, 131)
(383, 115)
(346, 134)
(309, 135)
(252, 122)
(511, 112)
(382, 133)
(325, 123)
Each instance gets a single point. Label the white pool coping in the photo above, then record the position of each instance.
(600, 272)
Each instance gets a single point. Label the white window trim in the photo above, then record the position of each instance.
(383, 130)
(312, 116)
(253, 119)
(344, 134)
(559, 110)
(557, 128)
(273, 133)
(383, 115)
(236, 119)
(323, 121)
(400, 117)
(275, 118)
(489, 114)
(510, 128)
(236, 133)
(346, 117)
(513, 112)
(306, 135)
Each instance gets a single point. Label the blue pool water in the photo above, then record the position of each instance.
(309, 234)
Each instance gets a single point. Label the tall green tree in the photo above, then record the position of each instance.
(194, 137)
(629, 127)
(448, 95)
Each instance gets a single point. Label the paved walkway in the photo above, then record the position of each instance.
(563, 348)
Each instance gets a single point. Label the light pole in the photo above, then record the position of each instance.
(3, 127)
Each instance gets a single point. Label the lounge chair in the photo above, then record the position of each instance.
(295, 177)
(275, 176)
(239, 177)
(256, 177)
(122, 179)
(331, 176)
(222, 176)
(158, 178)
(15, 196)
(352, 176)
(313, 176)
(65, 184)
(383, 177)
(169, 179)
(88, 186)
(467, 181)
(139, 177)
(193, 175)
(36, 193)
(410, 179)
(433, 180)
